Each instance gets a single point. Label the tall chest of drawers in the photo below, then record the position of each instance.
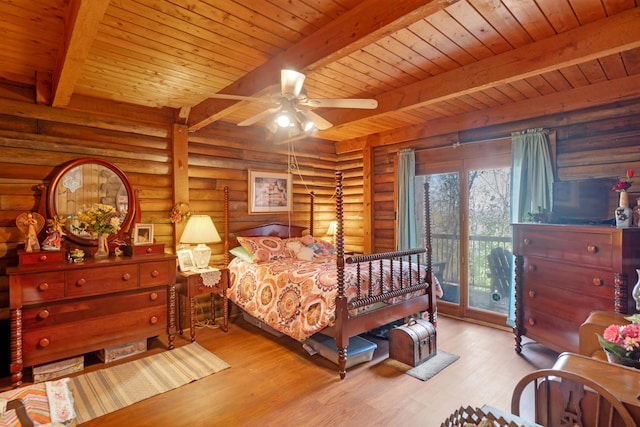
(564, 272)
(59, 310)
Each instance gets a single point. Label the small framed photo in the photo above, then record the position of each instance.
(143, 234)
(269, 192)
(185, 259)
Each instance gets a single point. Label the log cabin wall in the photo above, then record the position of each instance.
(36, 140)
(591, 143)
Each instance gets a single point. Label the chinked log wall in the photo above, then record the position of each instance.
(592, 143)
(36, 140)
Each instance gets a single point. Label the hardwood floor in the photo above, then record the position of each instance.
(274, 382)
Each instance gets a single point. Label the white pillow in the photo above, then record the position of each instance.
(305, 253)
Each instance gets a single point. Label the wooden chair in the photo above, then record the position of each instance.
(500, 266)
(560, 398)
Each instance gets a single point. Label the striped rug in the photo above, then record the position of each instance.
(107, 390)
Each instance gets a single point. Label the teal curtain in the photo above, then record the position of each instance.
(406, 233)
(531, 183)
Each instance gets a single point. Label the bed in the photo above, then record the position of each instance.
(275, 279)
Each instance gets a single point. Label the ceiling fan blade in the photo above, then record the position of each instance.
(366, 104)
(242, 98)
(291, 83)
(320, 122)
(256, 118)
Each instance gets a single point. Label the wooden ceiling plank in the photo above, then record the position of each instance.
(500, 18)
(409, 72)
(613, 66)
(511, 92)
(477, 25)
(613, 7)
(83, 19)
(434, 61)
(420, 66)
(560, 15)
(530, 18)
(575, 76)
(353, 30)
(556, 80)
(441, 43)
(593, 71)
(587, 12)
(459, 35)
(615, 34)
(631, 61)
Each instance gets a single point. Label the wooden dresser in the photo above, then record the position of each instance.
(60, 309)
(564, 272)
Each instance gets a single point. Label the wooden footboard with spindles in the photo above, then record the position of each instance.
(371, 290)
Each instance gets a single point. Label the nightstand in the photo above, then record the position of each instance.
(193, 283)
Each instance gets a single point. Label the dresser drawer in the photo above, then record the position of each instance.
(41, 257)
(557, 302)
(93, 281)
(156, 273)
(41, 287)
(554, 332)
(580, 247)
(53, 342)
(569, 277)
(79, 310)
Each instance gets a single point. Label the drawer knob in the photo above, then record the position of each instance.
(153, 296)
(531, 267)
(44, 342)
(592, 249)
(532, 321)
(153, 320)
(42, 258)
(126, 277)
(527, 241)
(532, 294)
(43, 314)
(598, 281)
(155, 273)
(149, 250)
(81, 282)
(43, 286)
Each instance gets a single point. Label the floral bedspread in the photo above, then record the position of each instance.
(297, 297)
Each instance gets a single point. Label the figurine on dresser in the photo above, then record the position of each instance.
(30, 224)
(55, 233)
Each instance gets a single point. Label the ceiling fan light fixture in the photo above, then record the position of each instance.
(305, 124)
(283, 120)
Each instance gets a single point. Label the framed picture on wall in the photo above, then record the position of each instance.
(269, 192)
(185, 259)
(143, 234)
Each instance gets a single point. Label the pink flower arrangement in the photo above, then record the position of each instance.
(179, 213)
(624, 183)
(622, 340)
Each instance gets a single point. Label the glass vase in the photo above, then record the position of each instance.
(103, 246)
(636, 213)
(636, 291)
(623, 211)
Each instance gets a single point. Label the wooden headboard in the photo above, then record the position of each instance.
(273, 229)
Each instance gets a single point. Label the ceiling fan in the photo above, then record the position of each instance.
(291, 107)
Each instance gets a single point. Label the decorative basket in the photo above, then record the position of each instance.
(470, 417)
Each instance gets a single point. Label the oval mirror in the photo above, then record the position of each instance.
(82, 183)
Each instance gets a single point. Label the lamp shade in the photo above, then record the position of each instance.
(200, 230)
(333, 227)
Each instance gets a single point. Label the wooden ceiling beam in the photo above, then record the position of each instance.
(83, 20)
(602, 93)
(353, 30)
(604, 37)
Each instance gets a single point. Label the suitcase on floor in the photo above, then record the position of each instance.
(413, 343)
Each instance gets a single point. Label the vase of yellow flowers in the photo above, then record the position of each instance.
(101, 221)
(623, 212)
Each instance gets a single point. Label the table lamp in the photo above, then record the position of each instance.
(200, 230)
(332, 230)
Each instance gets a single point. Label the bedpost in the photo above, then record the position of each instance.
(342, 339)
(226, 226)
(312, 198)
(427, 244)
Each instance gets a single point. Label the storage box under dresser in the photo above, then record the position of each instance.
(59, 309)
(564, 272)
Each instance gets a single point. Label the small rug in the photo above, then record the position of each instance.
(427, 369)
(107, 390)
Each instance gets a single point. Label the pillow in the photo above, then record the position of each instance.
(305, 253)
(263, 248)
(293, 246)
(241, 253)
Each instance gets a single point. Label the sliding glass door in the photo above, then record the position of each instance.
(471, 234)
